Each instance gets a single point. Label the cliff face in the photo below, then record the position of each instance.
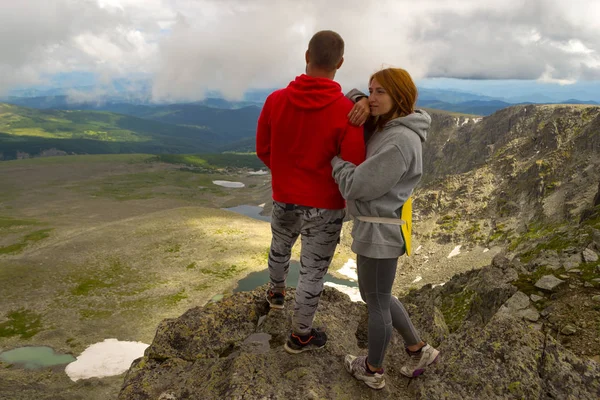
(479, 321)
(490, 181)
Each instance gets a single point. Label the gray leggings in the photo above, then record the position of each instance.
(375, 279)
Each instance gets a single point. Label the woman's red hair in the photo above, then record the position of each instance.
(398, 83)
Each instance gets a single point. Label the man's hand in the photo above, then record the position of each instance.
(360, 112)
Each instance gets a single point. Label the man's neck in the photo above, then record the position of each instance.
(319, 72)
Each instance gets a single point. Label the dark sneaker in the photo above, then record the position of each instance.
(276, 299)
(297, 344)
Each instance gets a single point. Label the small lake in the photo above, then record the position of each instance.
(250, 211)
(35, 357)
(259, 278)
(256, 279)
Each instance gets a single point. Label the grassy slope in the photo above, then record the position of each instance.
(93, 247)
(96, 247)
(28, 130)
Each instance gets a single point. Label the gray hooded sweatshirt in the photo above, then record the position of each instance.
(379, 186)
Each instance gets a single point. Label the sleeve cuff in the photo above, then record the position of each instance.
(335, 160)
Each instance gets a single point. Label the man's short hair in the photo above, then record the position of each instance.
(326, 49)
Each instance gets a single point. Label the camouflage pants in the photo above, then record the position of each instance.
(320, 229)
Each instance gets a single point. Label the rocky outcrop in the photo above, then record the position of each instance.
(233, 350)
(524, 166)
(508, 360)
(490, 348)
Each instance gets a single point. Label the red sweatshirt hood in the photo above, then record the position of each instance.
(313, 93)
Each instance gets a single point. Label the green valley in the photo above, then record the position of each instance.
(32, 132)
(107, 246)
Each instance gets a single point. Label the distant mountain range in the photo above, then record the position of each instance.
(115, 104)
(448, 100)
(472, 103)
(35, 124)
(475, 107)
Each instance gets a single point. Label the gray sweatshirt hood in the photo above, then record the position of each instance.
(418, 122)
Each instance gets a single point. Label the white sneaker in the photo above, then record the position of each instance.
(357, 367)
(419, 361)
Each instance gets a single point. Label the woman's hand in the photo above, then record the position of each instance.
(360, 112)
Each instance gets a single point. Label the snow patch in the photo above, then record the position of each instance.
(262, 205)
(418, 249)
(418, 279)
(229, 184)
(349, 270)
(486, 250)
(109, 358)
(354, 293)
(438, 284)
(261, 172)
(455, 252)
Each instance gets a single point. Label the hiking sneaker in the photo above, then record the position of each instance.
(357, 366)
(276, 299)
(297, 344)
(419, 361)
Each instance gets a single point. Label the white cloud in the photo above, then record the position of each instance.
(547, 77)
(190, 46)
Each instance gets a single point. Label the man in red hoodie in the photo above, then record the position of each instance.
(300, 129)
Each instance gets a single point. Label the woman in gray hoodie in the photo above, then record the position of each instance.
(375, 192)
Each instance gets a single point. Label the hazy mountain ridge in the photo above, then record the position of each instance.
(114, 104)
(442, 99)
(167, 129)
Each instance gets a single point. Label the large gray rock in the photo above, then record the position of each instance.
(529, 314)
(589, 256)
(517, 302)
(508, 360)
(568, 330)
(548, 282)
(535, 298)
(472, 297)
(549, 259)
(518, 306)
(221, 351)
(596, 238)
(572, 261)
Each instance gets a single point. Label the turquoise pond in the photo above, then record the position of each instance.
(256, 279)
(35, 357)
(250, 211)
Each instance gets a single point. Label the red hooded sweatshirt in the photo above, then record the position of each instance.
(300, 129)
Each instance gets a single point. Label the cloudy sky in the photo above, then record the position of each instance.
(187, 47)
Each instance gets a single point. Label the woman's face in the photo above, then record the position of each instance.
(379, 101)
